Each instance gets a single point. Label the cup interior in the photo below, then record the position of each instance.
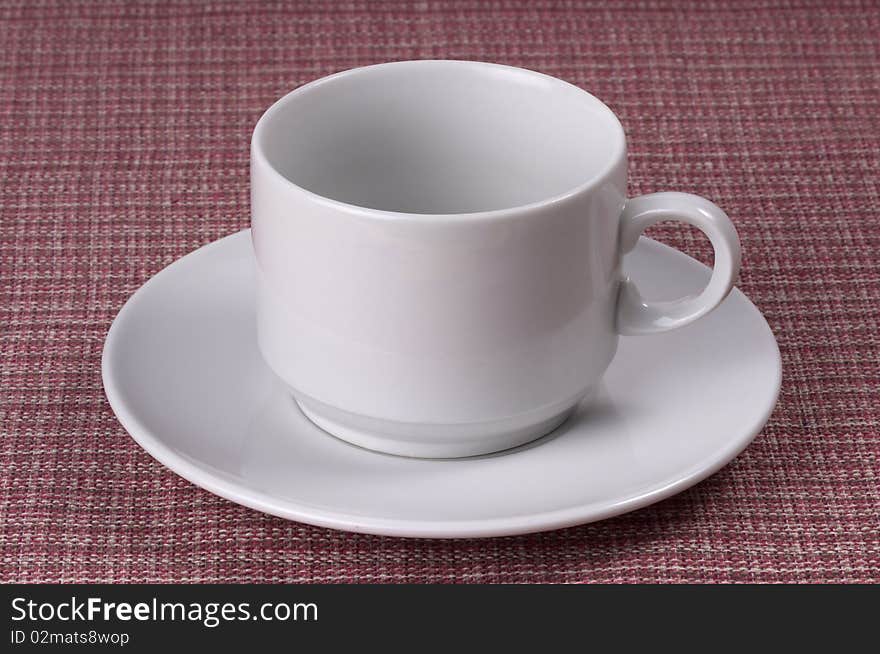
(439, 137)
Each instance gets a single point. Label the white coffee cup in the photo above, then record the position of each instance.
(438, 247)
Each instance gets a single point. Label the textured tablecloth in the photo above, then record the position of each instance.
(124, 144)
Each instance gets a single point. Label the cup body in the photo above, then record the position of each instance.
(437, 252)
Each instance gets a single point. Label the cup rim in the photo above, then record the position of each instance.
(618, 152)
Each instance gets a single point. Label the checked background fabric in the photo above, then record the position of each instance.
(124, 145)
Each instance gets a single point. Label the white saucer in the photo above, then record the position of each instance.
(182, 372)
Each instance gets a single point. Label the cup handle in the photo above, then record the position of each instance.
(637, 316)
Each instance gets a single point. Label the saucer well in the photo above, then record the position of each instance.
(183, 374)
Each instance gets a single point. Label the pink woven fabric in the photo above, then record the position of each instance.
(124, 145)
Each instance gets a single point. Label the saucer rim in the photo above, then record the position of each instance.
(510, 525)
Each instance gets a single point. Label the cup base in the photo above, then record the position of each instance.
(435, 441)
